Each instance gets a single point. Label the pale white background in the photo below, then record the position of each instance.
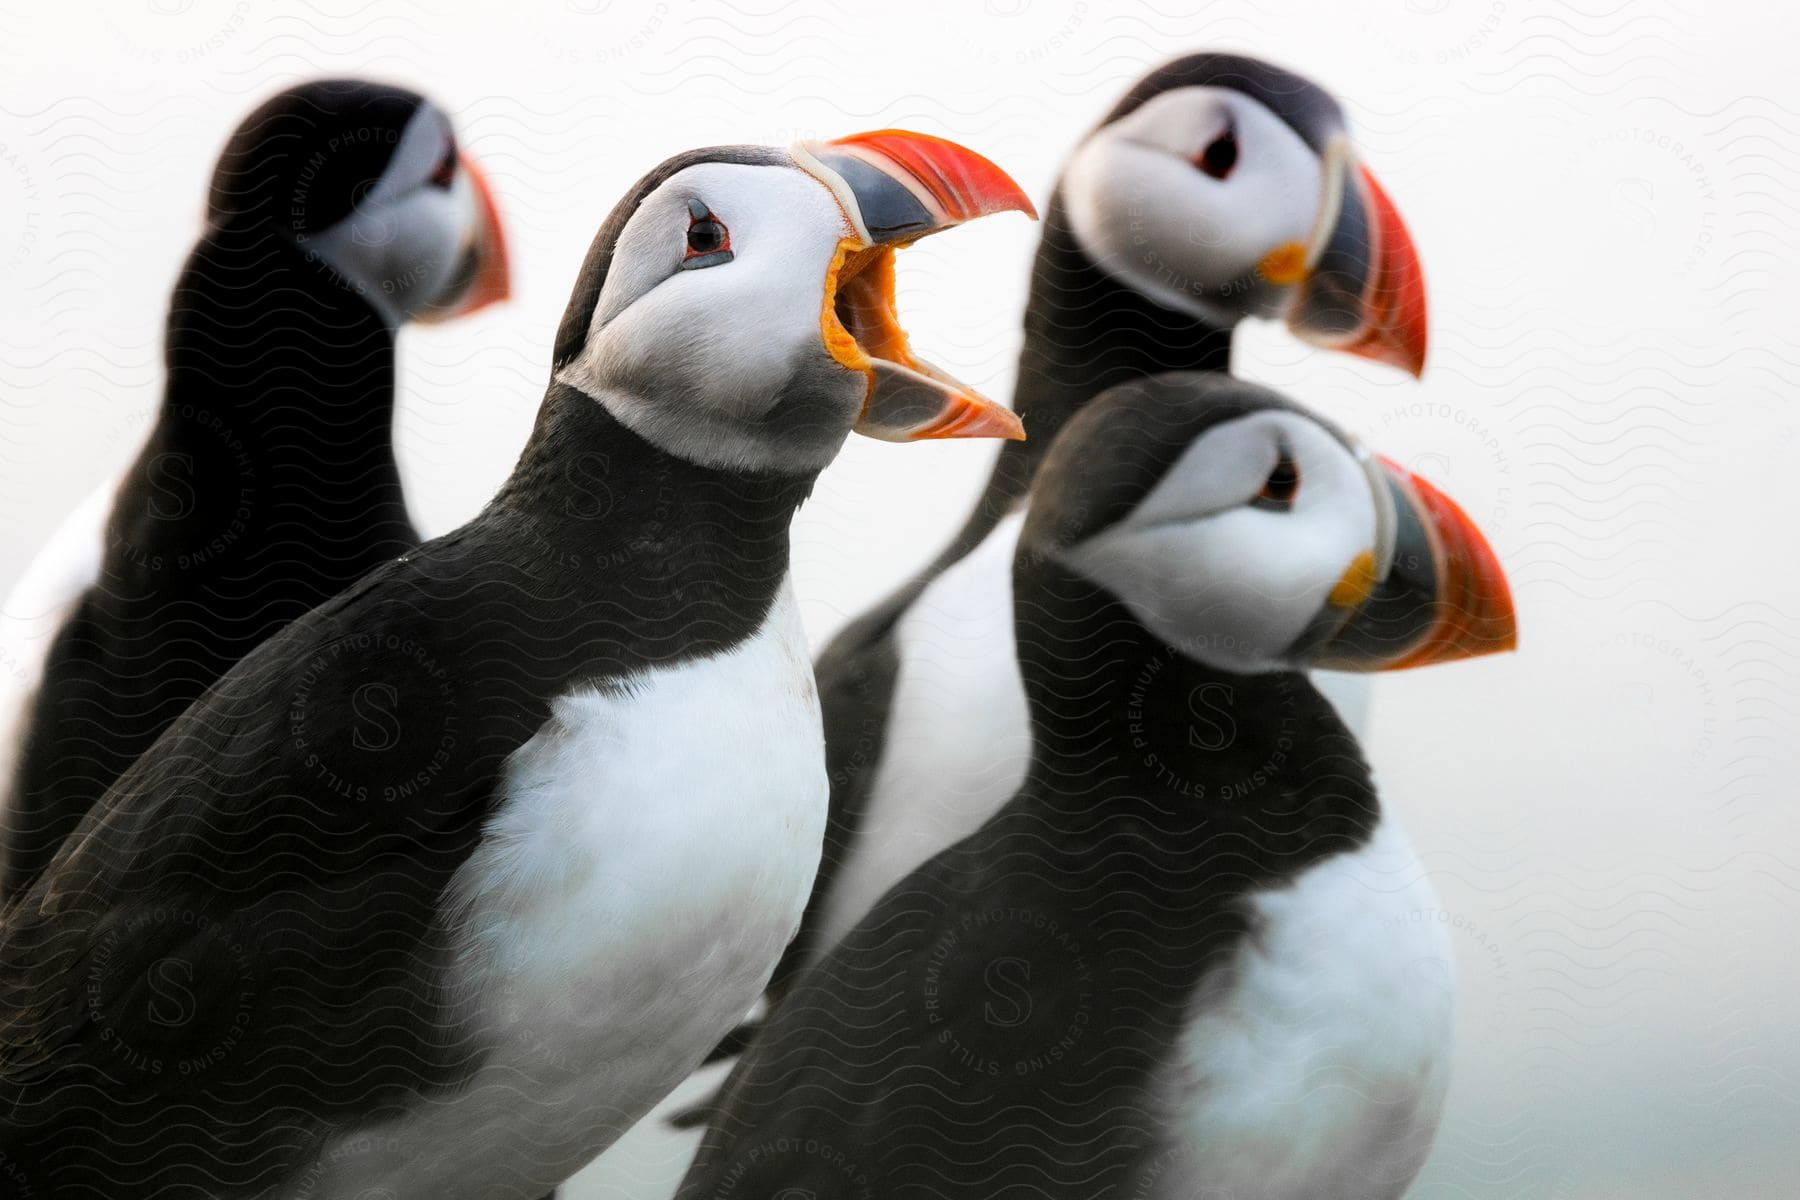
(1606, 200)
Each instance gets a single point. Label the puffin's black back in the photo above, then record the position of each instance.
(268, 483)
(284, 850)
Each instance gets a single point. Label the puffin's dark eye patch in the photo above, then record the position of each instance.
(1280, 488)
(444, 173)
(1220, 155)
(708, 241)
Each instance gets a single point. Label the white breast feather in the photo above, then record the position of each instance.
(1317, 1065)
(36, 609)
(958, 738)
(627, 903)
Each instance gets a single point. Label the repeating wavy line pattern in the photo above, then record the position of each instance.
(1608, 201)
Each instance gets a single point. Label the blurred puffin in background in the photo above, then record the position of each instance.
(455, 936)
(1184, 958)
(1219, 188)
(339, 211)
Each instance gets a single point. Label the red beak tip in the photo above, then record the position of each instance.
(976, 418)
(1402, 326)
(493, 279)
(1479, 617)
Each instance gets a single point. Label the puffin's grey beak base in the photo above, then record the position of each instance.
(1442, 597)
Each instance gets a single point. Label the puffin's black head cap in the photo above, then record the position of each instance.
(1307, 108)
(306, 155)
(578, 315)
(367, 178)
(1123, 444)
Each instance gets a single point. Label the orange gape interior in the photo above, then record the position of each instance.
(858, 318)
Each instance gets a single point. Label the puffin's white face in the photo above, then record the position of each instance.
(416, 242)
(1237, 550)
(1186, 197)
(710, 319)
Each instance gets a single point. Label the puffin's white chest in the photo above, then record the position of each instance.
(629, 899)
(1316, 1065)
(958, 738)
(36, 610)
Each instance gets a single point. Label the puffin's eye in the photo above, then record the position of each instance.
(1280, 488)
(445, 172)
(1220, 155)
(708, 241)
(706, 237)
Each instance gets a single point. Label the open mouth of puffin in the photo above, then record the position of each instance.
(908, 398)
(893, 188)
(860, 323)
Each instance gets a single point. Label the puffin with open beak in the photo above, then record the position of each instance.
(340, 211)
(1219, 188)
(1186, 957)
(466, 868)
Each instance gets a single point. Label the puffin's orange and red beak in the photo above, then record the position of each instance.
(952, 183)
(493, 279)
(493, 273)
(1474, 602)
(1397, 329)
(1441, 594)
(896, 187)
(1363, 288)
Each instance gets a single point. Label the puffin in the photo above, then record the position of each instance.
(1182, 959)
(441, 887)
(339, 211)
(1219, 188)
